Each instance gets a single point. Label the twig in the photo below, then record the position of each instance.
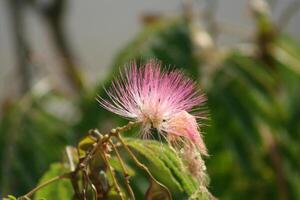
(111, 171)
(84, 183)
(73, 177)
(142, 166)
(126, 174)
(82, 166)
(102, 140)
(137, 162)
(52, 180)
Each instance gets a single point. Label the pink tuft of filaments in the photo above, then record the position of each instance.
(157, 99)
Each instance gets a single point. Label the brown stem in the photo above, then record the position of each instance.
(125, 172)
(82, 166)
(133, 157)
(52, 180)
(75, 186)
(142, 166)
(111, 171)
(273, 151)
(104, 139)
(54, 16)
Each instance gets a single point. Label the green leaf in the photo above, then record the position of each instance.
(61, 189)
(31, 137)
(171, 172)
(156, 191)
(9, 197)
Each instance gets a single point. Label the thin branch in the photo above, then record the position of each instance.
(126, 174)
(73, 177)
(111, 171)
(82, 165)
(104, 139)
(52, 180)
(137, 162)
(84, 183)
(142, 166)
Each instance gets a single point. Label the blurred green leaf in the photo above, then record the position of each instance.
(9, 197)
(61, 189)
(167, 41)
(31, 138)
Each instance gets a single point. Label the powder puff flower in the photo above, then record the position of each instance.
(157, 99)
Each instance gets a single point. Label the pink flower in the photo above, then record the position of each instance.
(157, 99)
(185, 124)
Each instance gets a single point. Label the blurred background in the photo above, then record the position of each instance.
(56, 56)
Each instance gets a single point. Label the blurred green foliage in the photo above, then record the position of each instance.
(253, 133)
(59, 190)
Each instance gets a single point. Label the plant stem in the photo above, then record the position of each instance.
(110, 169)
(137, 162)
(52, 180)
(126, 174)
(142, 166)
(83, 164)
(104, 139)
